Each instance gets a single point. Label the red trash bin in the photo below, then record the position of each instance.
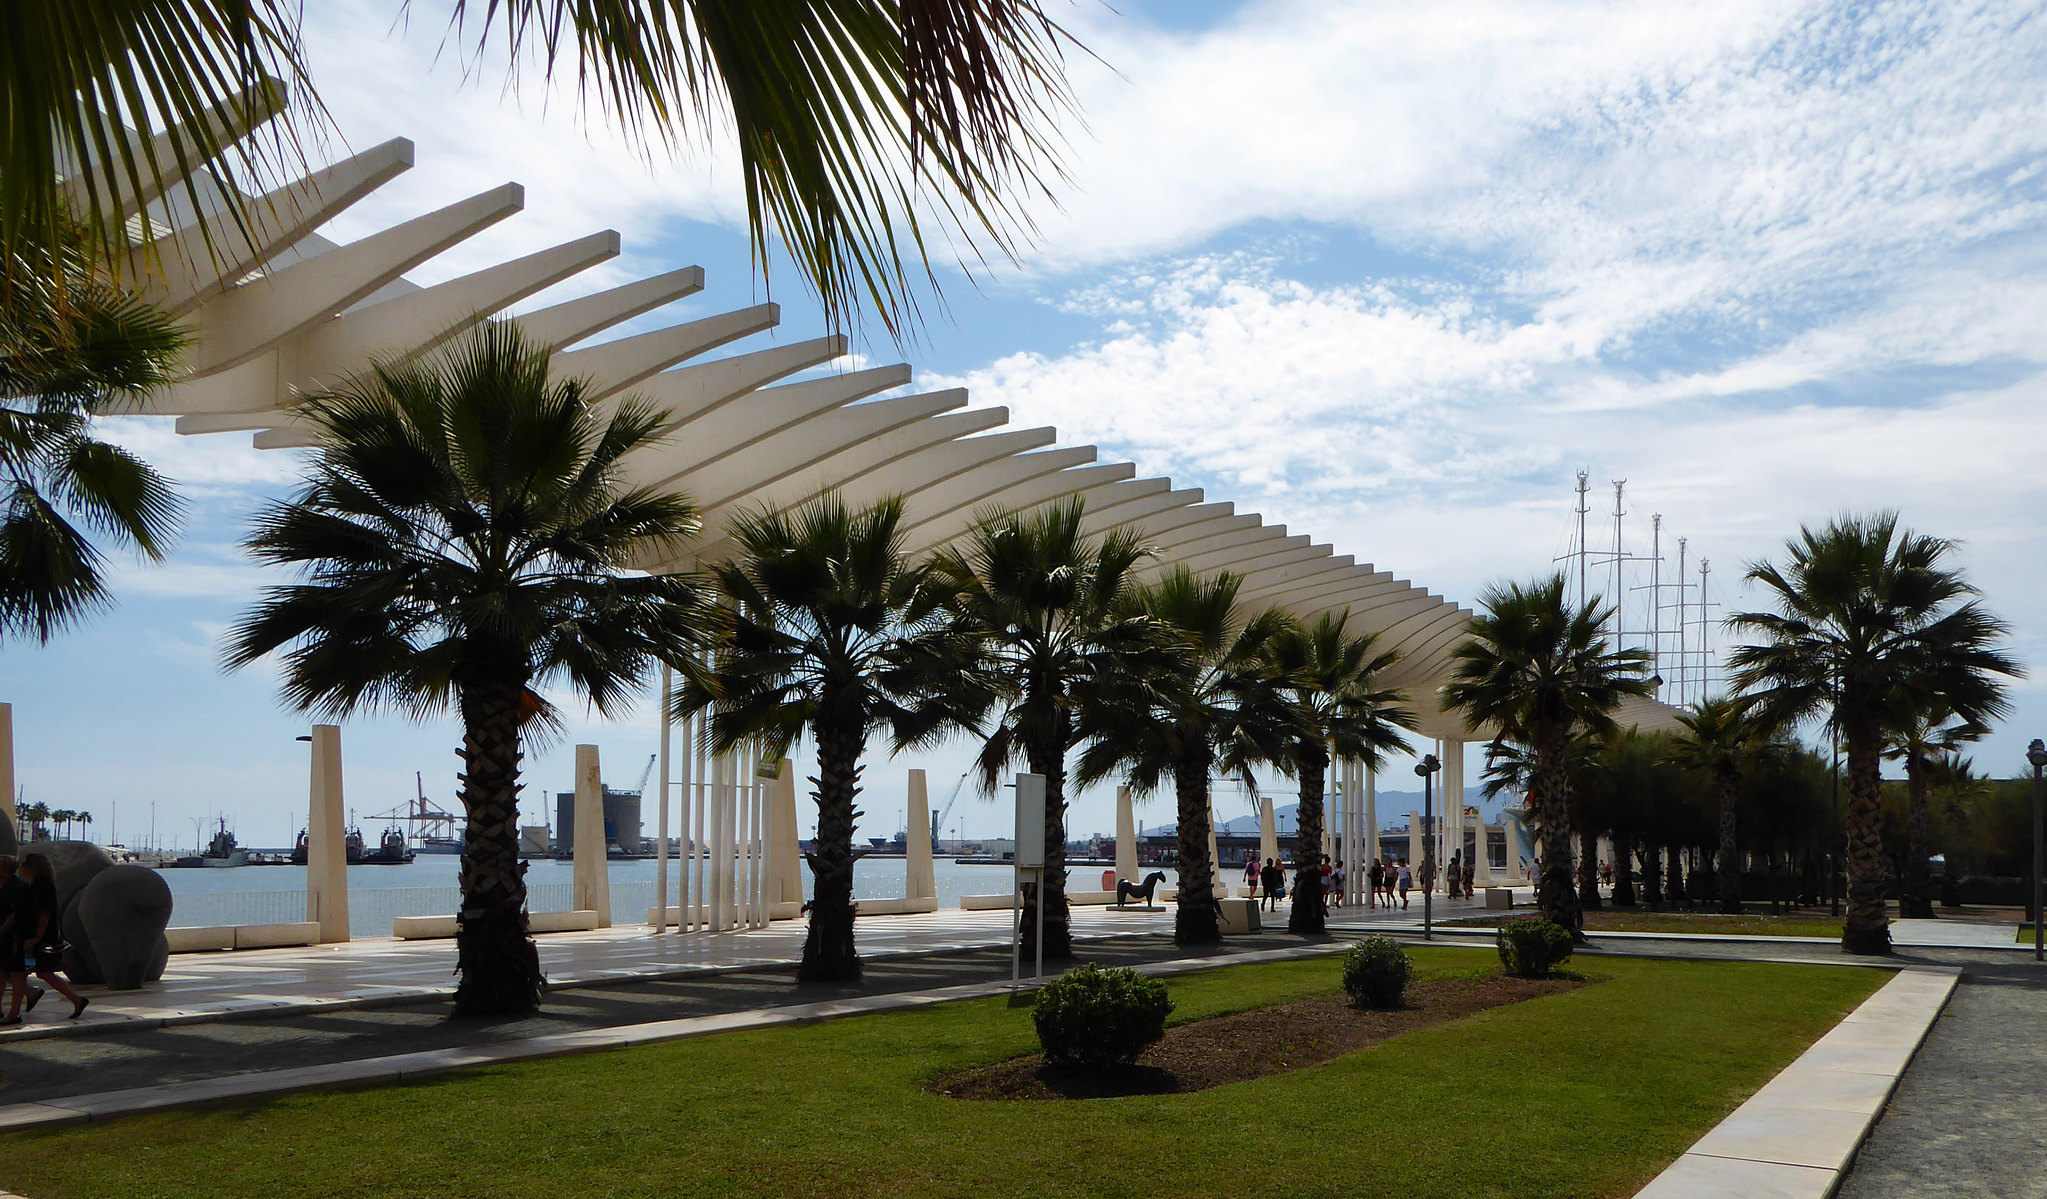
(1108, 880)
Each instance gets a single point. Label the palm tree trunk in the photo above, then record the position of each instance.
(1730, 852)
(498, 965)
(828, 953)
(1868, 927)
(1307, 915)
(1555, 898)
(1623, 870)
(1652, 872)
(1915, 900)
(1050, 761)
(1674, 879)
(1194, 917)
(1588, 870)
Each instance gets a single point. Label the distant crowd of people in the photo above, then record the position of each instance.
(31, 937)
(1389, 881)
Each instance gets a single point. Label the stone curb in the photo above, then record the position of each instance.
(77, 1109)
(1797, 1136)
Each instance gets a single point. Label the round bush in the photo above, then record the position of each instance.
(1098, 1018)
(1533, 948)
(1375, 973)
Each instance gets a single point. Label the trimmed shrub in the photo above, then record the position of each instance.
(1375, 973)
(1533, 948)
(1098, 1018)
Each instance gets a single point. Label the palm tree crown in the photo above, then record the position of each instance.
(831, 629)
(1536, 670)
(1044, 612)
(1329, 678)
(1868, 612)
(1203, 702)
(71, 347)
(463, 540)
(1720, 741)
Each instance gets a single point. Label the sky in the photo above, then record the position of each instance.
(1390, 274)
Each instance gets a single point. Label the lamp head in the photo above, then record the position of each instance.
(1427, 766)
(2036, 753)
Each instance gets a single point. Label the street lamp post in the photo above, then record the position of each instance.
(2036, 753)
(1427, 768)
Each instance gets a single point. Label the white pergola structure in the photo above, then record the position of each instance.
(758, 421)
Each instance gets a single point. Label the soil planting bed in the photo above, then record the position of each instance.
(1208, 1053)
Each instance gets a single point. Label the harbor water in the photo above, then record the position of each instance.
(426, 886)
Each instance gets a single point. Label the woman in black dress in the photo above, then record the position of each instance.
(42, 940)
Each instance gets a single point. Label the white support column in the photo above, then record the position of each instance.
(721, 846)
(699, 845)
(786, 853)
(1214, 867)
(326, 839)
(1268, 831)
(1417, 832)
(12, 841)
(1371, 813)
(682, 839)
(919, 879)
(1126, 838)
(1453, 796)
(661, 815)
(591, 872)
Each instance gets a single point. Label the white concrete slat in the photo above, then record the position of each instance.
(687, 392)
(788, 451)
(1109, 509)
(255, 315)
(614, 366)
(188, 271)
(790, 410)
(983, 485)
(1218, 535)
(401, 327)
(227, 122)
(928, 534)
(564, 324)
(1195, 522)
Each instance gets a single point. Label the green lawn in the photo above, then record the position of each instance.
(1749, 925)
(1585, 1093)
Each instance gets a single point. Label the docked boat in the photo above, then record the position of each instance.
(222, 850)
(391, 849)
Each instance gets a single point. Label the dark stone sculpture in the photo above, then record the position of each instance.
(74, 863)
(1127, 890)
(122, 915)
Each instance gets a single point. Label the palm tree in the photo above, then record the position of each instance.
(1204, 702)
(1721, 741)
(462, 541)
(85, 819)
(72, 345)
(1538, 672)
(831, 630)
(1329, 678)
(845, 113)
(1868, 611)
(1923, 735)
(1044, 612)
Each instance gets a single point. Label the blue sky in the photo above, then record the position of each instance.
(1388, 273)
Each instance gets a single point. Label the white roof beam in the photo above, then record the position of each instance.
(790, 451)
(984, 484)
(571, 321)
(773, 415)
(1059, 485)
(1147, 498)
(689, 391)
(225, 123)
(616, 365)
(254, 315)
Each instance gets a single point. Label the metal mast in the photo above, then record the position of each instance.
(1620, 624)
(1656, 598)
(1583, 483)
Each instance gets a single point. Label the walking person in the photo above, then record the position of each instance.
(1273, 880)
(14, 904)
(1453, 878)
(1336, 885)
(1470, 876)
(1375, 874)
(1250, 874)
(42, 942)
(1406, 877)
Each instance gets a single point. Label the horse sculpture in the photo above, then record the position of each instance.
(1127, 890)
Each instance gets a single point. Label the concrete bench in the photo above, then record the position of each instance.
(242, 936)
(894, 907)
(428, 928)
(1498, 899)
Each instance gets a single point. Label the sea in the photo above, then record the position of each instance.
(426, 886)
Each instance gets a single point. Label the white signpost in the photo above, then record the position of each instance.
(1030, 858)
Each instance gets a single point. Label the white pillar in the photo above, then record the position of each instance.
(785, 853)
(326, 839)
(1417, 832)
(1371, 814)
(700, 799)
(1126, 838)
(721, 841)
(1453, 796)
(1215, 872)
(919, 881)
(591, 873)
(1268, 832)
(7, 777)
(661, 817)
